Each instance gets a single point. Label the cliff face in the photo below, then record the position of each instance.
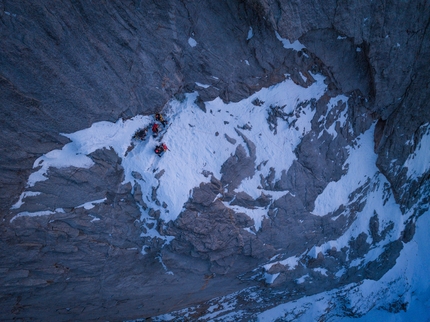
(67, 65)
(385, 43)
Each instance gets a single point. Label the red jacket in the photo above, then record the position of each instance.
(155, 127)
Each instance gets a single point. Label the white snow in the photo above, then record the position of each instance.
(296, 45)
(32, 214)
(24, 195)
(290, 262)
(418, 163)
(340, 117)
(197, 143)
(257, 214)
(270, 278)
(202, 85)
(94, 218)
(377, 201)
(303, 77)
(302, 279)
(91, 204)
(192, 42)
(362, 165)
(320, 270)
(66, 157)
(407, 281)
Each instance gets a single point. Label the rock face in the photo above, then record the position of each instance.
(384, 45)
(65, 65)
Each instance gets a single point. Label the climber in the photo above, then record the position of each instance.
(155, 130)
(140, 134)
(161, 119)
(160, 149)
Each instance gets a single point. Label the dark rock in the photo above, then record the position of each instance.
(238, 167)
(229, 139)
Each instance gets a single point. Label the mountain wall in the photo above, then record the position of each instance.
(65, 65)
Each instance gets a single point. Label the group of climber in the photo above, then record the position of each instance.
(142, 133)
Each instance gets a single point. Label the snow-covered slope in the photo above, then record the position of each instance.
(198, 142)
(368, 226)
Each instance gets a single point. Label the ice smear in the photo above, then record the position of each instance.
(196, 147)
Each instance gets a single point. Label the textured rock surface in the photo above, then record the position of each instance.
(384, 44)
(65, 65)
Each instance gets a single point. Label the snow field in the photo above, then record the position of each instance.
(362, 172)
(407, 281)
(197, 143)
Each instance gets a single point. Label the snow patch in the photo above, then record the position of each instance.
(91, 204)
(192, 42)
(202, 85)
(418, 163)
(36, 214)
(24, 195)
(270, 278)
(250, 33)
(362, 165)
(296, 45)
